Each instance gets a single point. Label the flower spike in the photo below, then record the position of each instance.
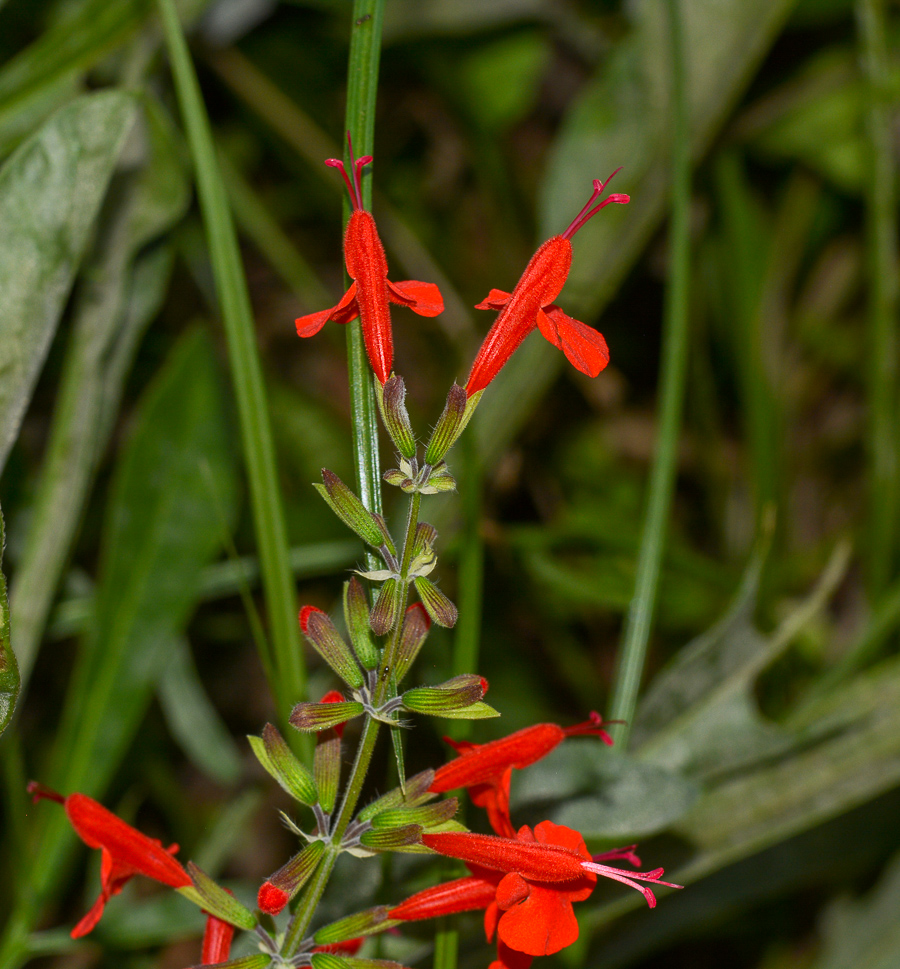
(531, 305)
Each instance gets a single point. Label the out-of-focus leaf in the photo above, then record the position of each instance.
(9, 670)
(702, 716)
(146, 199)
(172, 497)
(50, 193)
(603, 794)
(193, 719)
(48, 72)
(864, 932)
(622, 118)
(422, 18)
(499, 81)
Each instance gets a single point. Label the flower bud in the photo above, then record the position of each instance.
(322, 635)
(416, 624)
(313, 717)
(446, 698)
(450, 425)
(391, 839)
(392, 403)
(369, 922)
(280, 888)
(351, 511)
(215, 900)
(439, 607)
(439, 480)
(427, 815)
(387, 607)
(356, 615)
(417, 792)
(277, 758)
(398, 479)
(327, 758)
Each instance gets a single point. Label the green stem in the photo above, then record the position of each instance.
(630, 660)
(246, 371)
(881, 245)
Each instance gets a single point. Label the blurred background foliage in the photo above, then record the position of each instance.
(765, 758)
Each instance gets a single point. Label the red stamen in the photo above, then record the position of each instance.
(587, 213)
(631, 878)
(592, 727)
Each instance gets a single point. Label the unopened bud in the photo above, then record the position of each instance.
(276, 757)
(321, 634)
(280, 888)
(356, 615)
(439, 607)
(351, 511)
(440, 480)
(392, 402)
(215, 900)
(450, 425)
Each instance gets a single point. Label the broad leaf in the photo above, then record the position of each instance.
(50, 192)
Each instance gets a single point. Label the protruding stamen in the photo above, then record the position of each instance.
(587, 213)
(38, 791)
(592, 727)
(631, 878)
(357, 164)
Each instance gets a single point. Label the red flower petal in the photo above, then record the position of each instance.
(460, 895)
(422, 298)
(216, 941)
(541, 924)
(536, 862)
(584, 347)
(496, 299)
(510, 959)
(345, 311)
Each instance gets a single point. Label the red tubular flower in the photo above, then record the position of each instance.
(125, 851)
(371, 291)
(531, 305)
(216, 941)
(486, 769)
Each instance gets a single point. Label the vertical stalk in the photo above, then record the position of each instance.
(362, 87)
(630, 660)
(258, 448)
(881, 252)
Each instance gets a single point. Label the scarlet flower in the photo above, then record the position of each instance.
(526, 885)
(125, 851)
(371, 290)
(531, 305)
(486, 769)
(216, 941)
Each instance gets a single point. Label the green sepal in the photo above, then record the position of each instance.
(439, 607)
(278, 759)
(428, 815)
(423, 558)
(417, 792)
(356, 616)
(327, 767)
(440, 480)
(390, 840)
(368, 922)
(416, 624)
(257, 961)
(293, 875)
(477, 711)
(395, 477)
(392, 404)
(215, 900)
(445, 698)
(331, 960)
(321, 633)
(351, 511)
(449, 426)
(386, 611)
(313, 717)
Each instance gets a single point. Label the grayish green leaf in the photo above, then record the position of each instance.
(50, 192)
(193, 720)
(114, 306)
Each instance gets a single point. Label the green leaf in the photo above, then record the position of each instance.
(603, 794)
(173, 495)
(9, 670)
(114, 304)
(50, 192)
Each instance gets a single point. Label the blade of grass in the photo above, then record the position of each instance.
(882, 294)
(633, 649)
(246, 370)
